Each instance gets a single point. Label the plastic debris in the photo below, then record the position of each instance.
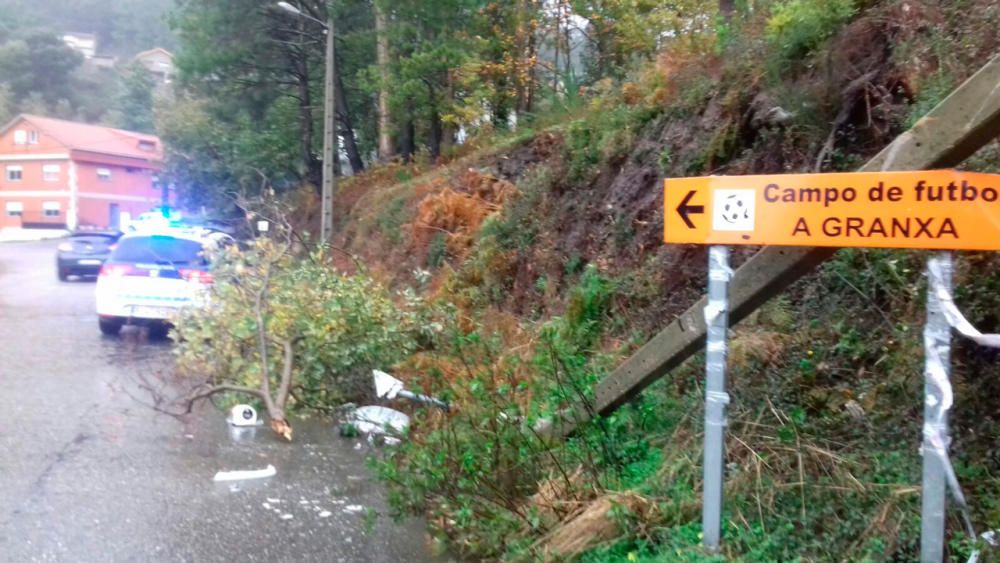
(243, 415)
(325, 514)
(269, 471)
(287, 517)
(388, 387)
(375, 419)
(353, 508)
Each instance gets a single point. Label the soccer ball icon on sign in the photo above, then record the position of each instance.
(733, 210)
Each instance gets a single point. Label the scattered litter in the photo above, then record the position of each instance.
(189, 436)
(287, 517)
(376, 418)
(234, 488)
(388, 387)
(353, 508)
(338, 501)
(325, 514)
(267, 506)
(273, 500)
(303, 501)
(357, 446)
(269, 471)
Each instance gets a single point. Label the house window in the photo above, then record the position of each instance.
(20, 137)
(50, 172)
(104, 174)
(148, 146)
(14, 173)
(50, 208)
(15, 208)
(32, 137)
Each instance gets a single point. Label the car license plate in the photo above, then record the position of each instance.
(88, 262)
(150, 312)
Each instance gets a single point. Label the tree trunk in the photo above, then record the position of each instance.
(726, 9)
(347, 129)
(436, 133)
(555, 58)
(310, 166)
(448, 129)
(385, 148)
(527, 101)
(408, 142)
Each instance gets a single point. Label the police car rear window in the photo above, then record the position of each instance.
(105, 240)
(158, 250)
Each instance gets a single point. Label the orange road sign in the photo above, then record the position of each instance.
(931, 209)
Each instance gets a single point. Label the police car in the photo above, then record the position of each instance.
(151, 275)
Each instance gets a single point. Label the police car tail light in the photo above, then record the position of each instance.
(116, 270)
(199, 276)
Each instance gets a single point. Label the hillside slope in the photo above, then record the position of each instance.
(547, 248)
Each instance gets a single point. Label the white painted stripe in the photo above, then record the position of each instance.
(30, 156)
(114, 197)
(33, 193)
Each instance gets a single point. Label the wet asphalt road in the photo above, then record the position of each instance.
(89, 474)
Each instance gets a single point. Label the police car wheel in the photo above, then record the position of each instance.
(110, 327)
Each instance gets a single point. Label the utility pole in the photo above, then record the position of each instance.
(330, 145)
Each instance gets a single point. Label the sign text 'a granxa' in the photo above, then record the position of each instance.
(936, 209)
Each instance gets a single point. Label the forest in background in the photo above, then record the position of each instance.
(39, 74)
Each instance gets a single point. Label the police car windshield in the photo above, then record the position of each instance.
(159, 250)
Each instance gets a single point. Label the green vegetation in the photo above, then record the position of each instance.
(289, 322)
(541, 292)
(798, 27)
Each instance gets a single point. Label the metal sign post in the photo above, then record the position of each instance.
(937, 359)
(716, 398)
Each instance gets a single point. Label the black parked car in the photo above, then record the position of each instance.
(83, 253)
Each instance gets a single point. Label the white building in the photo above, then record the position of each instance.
(83, 43)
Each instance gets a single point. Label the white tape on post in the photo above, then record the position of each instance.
(716, 398)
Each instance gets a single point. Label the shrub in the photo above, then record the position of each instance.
(797, 27)
(336, 326)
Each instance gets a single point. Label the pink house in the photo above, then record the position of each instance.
(56, 173)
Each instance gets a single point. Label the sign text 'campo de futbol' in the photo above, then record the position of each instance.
(933, 209)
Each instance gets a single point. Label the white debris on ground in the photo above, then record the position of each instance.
(268, 471)
(375, 419)
(311, 506)
(16, 234)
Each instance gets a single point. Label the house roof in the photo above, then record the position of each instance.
(94, 138)
(78, 35)
(153, 51)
